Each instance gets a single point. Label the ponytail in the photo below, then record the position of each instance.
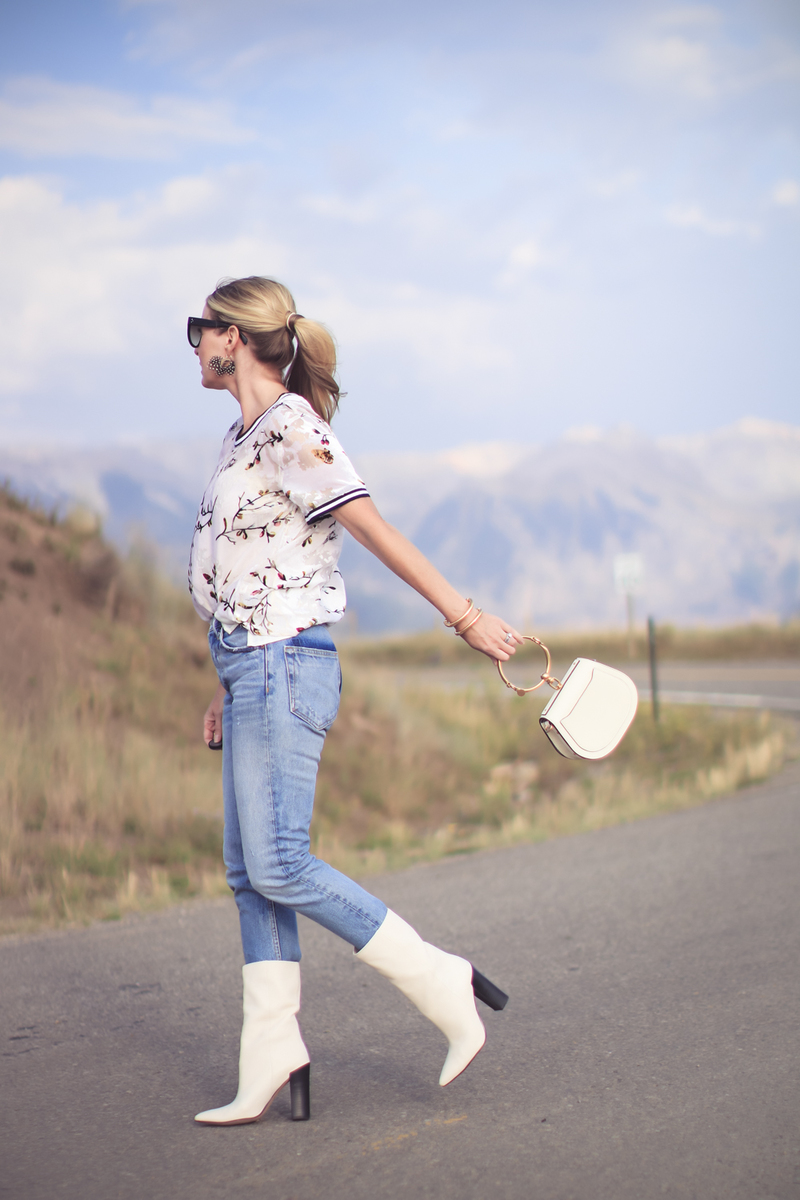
(311, 373)
(265, 310)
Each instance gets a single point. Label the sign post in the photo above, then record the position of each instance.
(628, 580)
(651, 638)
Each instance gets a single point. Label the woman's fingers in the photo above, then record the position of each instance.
(505, 649)
(212, 719)
(494, 637)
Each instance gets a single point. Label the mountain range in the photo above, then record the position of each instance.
(530, 531)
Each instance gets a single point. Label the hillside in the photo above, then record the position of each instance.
(104, 784)
(109, 801)
(72, 610)
(532, 530)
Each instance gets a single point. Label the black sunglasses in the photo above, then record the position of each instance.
(196, 325)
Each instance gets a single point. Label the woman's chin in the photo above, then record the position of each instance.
(212, 383)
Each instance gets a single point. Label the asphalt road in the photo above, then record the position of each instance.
(772, 684)
(650, 1048)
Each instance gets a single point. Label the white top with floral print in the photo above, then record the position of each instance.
(266, 544)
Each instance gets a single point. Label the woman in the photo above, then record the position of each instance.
(263, 572)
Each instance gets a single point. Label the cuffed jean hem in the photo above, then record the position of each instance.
(281, 699)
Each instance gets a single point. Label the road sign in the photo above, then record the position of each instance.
(628, 574)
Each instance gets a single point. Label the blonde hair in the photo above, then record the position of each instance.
(261, 308)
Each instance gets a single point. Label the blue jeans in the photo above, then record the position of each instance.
(282, 698)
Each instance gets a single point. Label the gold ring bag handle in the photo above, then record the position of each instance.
(591, 710)
(545, 677)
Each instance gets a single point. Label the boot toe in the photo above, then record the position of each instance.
(212, 1116)
(461, 1054)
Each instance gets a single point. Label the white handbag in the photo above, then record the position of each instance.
(591, 711)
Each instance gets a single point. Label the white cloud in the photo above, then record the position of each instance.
(262, 34)
(786, 193)
(521, 260)
(472, 223)
(435, 308)
(690, 53)
(692, 216)
(354, 212)
(448, 336)
(106, 287)
(689, 16)
(525, 255)
(678, 62)
(672, 50)
(94, 282)
(584, 434)
(618, 184)
(39, 116)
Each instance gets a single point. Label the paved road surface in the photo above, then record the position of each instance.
(771, 684)
(774, 685)
(650, 1048)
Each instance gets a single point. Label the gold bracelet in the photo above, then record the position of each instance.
(450, 624)
(478, 615)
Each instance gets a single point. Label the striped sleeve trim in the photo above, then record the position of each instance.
(325, 510)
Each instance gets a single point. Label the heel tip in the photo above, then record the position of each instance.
(300, 1093)
(488, 992)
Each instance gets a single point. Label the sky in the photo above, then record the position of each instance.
(517, 220)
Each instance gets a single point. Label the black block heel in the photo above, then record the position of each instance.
(300, 1089)
(486, 991)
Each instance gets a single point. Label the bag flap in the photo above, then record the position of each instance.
(594, 707)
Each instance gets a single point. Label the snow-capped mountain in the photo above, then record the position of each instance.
(530, 530)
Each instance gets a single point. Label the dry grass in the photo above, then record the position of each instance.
(109, 802)
(106, 806)
(437, 648)
(411, 774)
(95, 823)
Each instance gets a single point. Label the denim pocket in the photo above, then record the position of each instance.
(235, 641)
(314, 684)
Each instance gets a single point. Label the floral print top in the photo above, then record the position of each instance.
(266, 543)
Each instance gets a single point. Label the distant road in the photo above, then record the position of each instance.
(724, 699)
(724, 685)
(769, 684)
(650, 1048)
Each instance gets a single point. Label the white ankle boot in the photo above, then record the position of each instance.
(440, 984)
(272, 1052)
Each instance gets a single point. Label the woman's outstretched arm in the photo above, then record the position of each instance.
(362, 519)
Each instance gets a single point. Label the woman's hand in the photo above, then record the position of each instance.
(212, 721)
(489, 634)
